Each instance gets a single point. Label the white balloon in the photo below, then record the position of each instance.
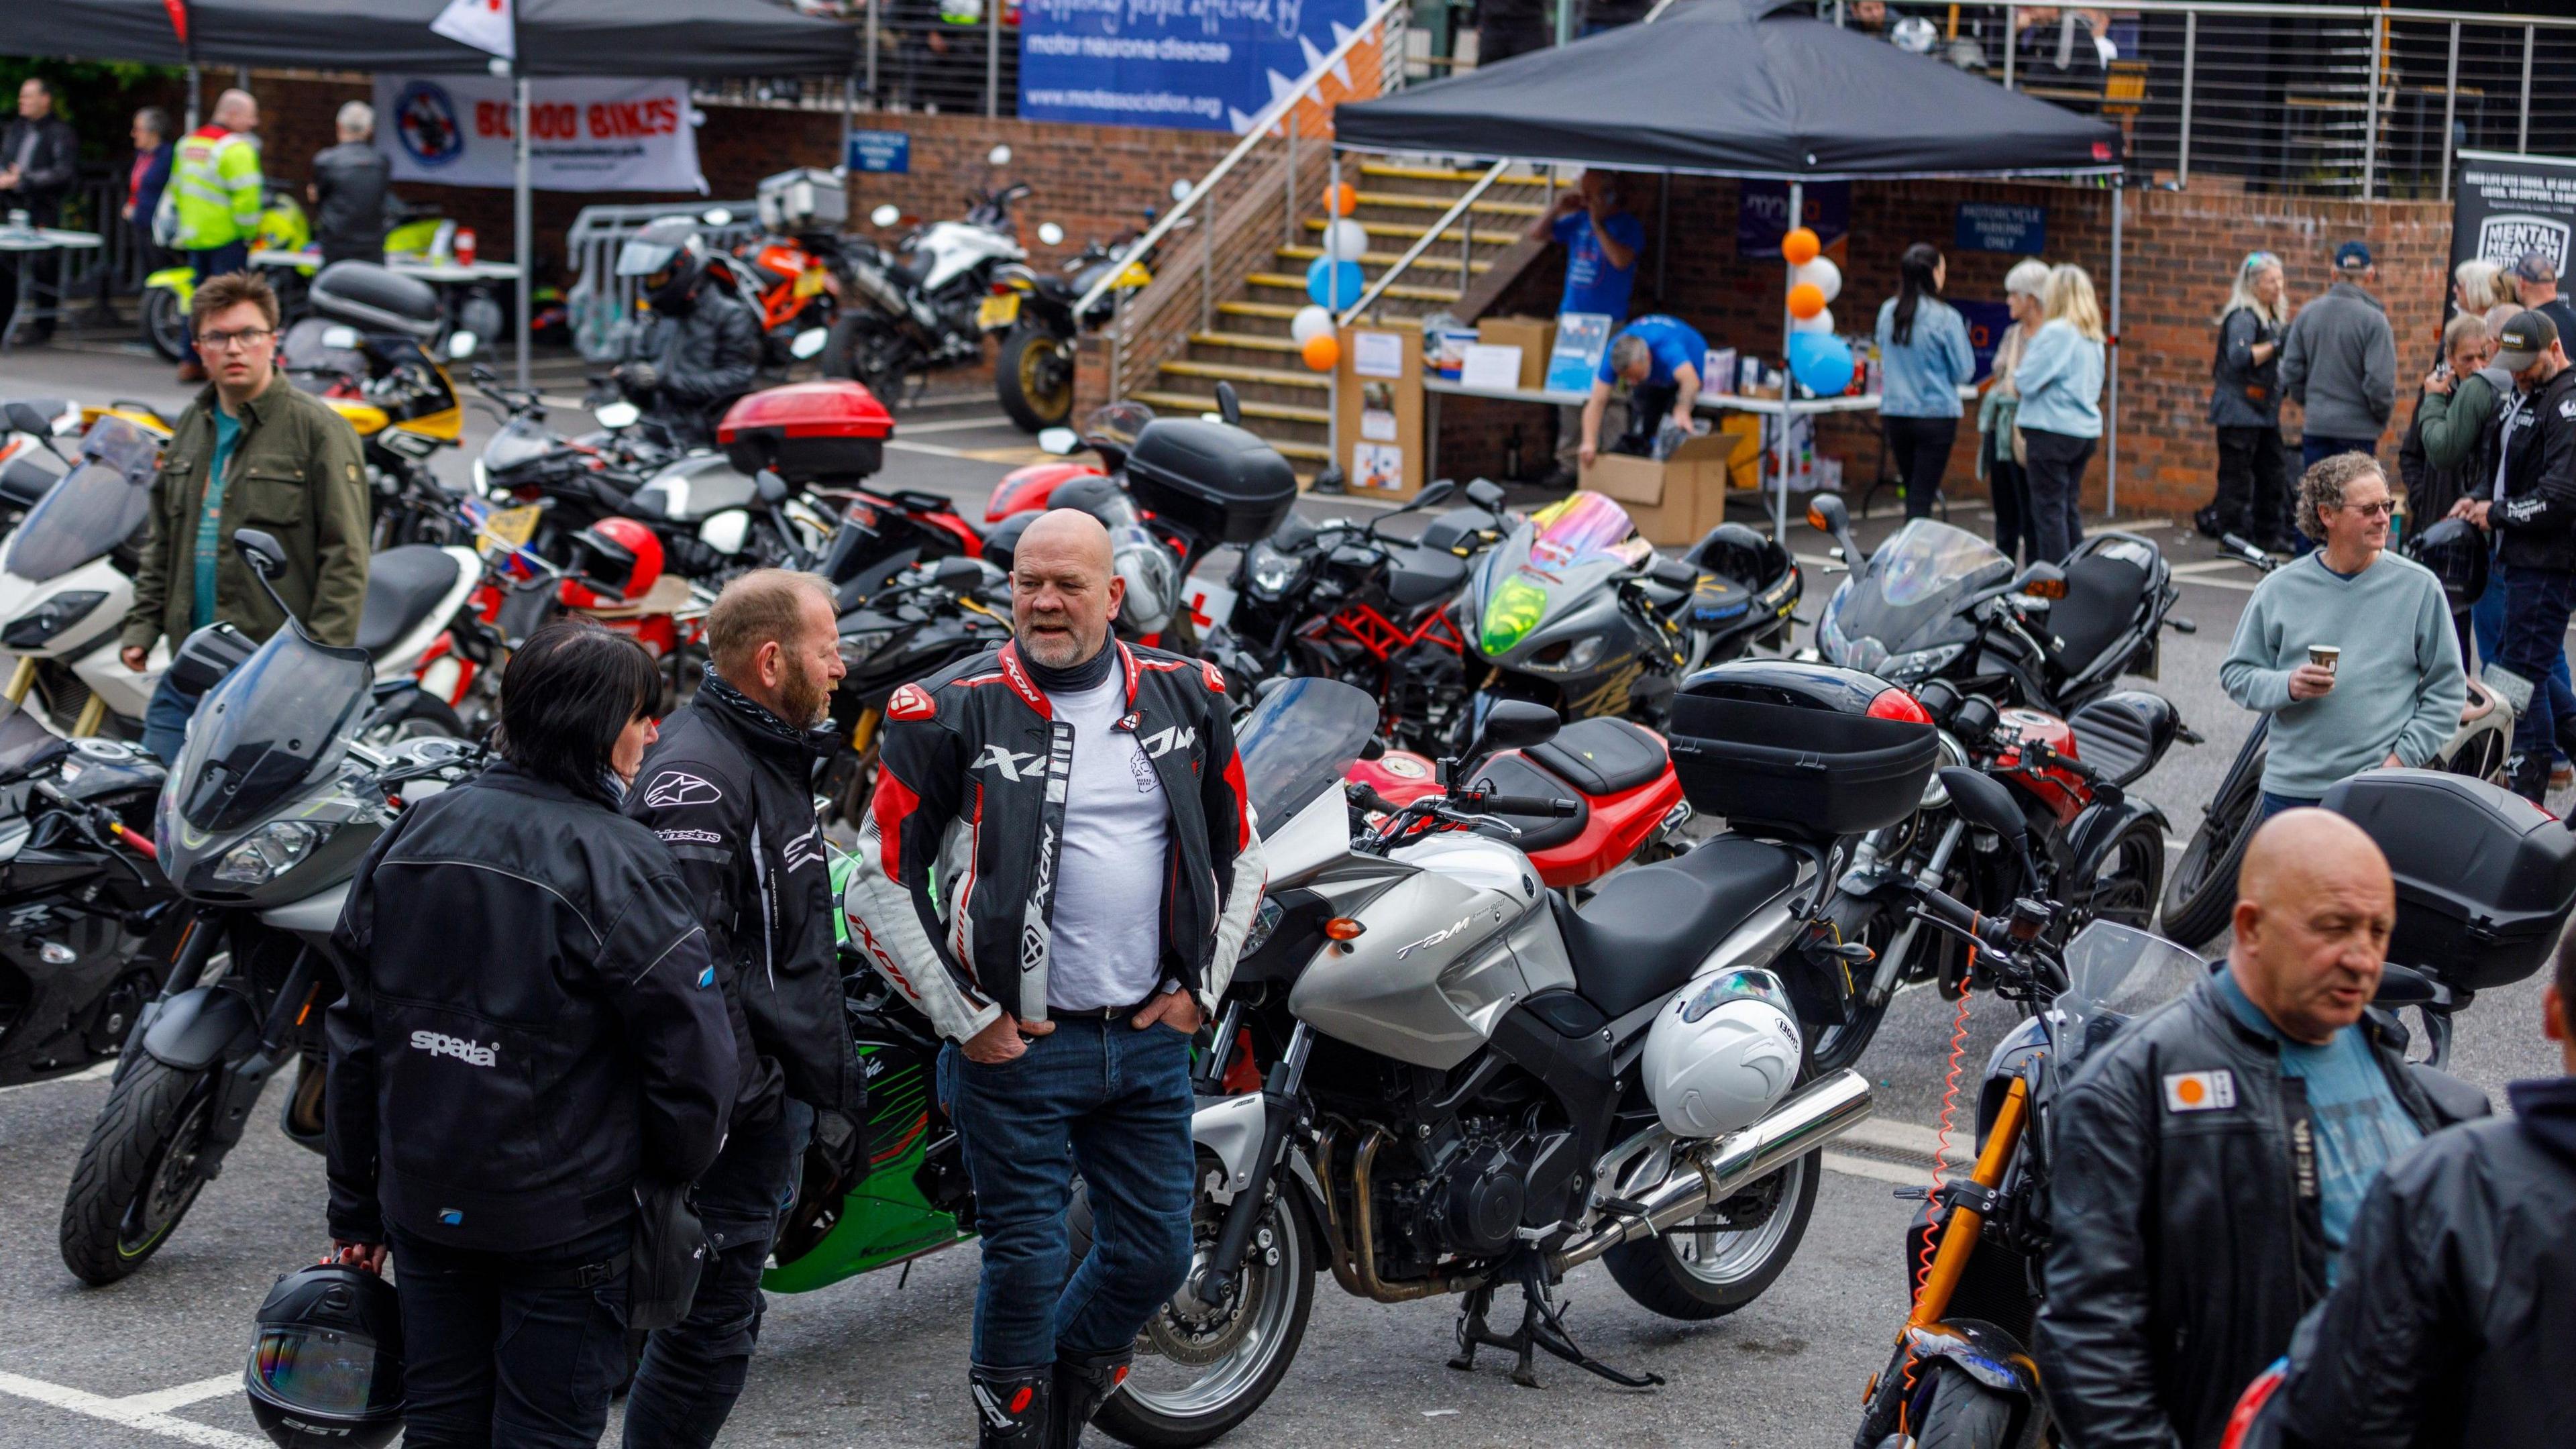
(1822, 271)
(1823, 321)
(1345, 240)
(1310, 322)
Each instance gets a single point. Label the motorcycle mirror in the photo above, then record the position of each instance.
(24, 417)
(616, 415)
(1181, 189)
(1514, 724)
(2404, 986)
(999, 156)
(261, 552)
(808, 343)
(461, 345)
(1826, 514)
(886, 215)
(1986, 803)
(770, 488)
(1059, 441)
(1050, 234)
(2041, 581)
(346, 339)
(958, 575)
(1486, 494)
(1438, 490)
(1228, 406)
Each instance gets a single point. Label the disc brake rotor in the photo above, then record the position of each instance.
(1198, 1335)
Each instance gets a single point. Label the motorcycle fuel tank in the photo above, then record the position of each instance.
(1444, 953)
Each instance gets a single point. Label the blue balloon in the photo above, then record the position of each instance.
(1821, 362)
(1334, 284)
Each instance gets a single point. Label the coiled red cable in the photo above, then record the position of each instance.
(1941, 1156)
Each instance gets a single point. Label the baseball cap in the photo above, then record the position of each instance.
(2523, 338)
(2536, 267)
(2352, 254)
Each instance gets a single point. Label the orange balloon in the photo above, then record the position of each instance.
(1323, 352)
(1800, 246)
(1343, 199)
(1806, 300)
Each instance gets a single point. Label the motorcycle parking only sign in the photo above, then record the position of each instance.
(2504, 206)
(585, 133)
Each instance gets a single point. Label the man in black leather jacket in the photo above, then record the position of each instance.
(2458, 1301)
(697, 347)
(2533, 514)
(2208, 1159)
(39, 160)
(728, 791)
(348, 191)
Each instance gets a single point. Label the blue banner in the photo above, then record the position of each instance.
(1198, 65)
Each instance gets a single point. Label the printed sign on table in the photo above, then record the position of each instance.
(585, 134)
(1197, 65)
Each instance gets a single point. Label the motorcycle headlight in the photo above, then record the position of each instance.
(857, 647)
(1264, 921)
(1916, 664)
(37, 627)
(1270, 572)
(269, 852)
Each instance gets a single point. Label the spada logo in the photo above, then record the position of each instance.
(2507, 236)
(440, 1044)
(425, 119)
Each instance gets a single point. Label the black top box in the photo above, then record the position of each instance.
(2485, 878)
(1221, 483)
(1808, 751)
(376, 298)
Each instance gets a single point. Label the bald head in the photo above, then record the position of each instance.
(1064, 588)
(2314, 906)
(236, 111)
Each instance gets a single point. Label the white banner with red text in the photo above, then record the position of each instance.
(585, 133)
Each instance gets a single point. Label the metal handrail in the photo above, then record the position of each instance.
(1423, 243)
(1252, 134)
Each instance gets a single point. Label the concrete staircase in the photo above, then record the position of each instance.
(1246, 342)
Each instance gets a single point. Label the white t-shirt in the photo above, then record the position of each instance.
(1106, 946)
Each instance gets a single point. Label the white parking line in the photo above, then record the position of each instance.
(1850, 1166)
(89, 1073)
(128, 1413)
(162, 1401)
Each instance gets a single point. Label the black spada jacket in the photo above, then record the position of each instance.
(2535, 515)
(726, 790)
(530, 1023)
(2188, 1238)
(2452, 1321)
(963, 799)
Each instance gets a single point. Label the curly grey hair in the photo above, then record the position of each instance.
(2322, 486)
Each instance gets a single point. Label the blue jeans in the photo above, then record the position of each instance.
(2315, 448)
(214, 263)
(522, 1349)
(2275, 804)
(694, 1369)
(1114, 1103)
(165, 720)
(2537, 605)
(2486, 622)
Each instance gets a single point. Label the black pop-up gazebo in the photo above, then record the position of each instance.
(1745, 88)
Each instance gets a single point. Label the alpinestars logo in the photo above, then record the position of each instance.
(804, 850)
(440, 1044)
(1015, 765)
(678, 787)
(1163, 741)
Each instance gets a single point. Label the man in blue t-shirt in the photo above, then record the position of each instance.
(1601, 243)
(1658, 359)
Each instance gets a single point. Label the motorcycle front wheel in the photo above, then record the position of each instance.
(2201, 893)
(138, 1173)
(1723, 1259)
(1964, 1414)
(1202, 1369)
(165, 324)
(863, 348)
(1033, 377)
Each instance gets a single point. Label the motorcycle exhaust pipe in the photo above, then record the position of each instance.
(1715, 1171)
(872, 282)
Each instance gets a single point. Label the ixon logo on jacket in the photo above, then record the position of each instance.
(440, 1044)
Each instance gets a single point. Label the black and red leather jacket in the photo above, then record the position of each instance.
(954, 887)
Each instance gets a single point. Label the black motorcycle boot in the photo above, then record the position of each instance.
(1013, 1408)
(2528, 776)
(1083, 1382)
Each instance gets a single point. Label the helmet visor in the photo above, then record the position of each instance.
(324, 1371)
(647, 259)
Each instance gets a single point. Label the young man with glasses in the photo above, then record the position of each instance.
(250, 452)
(2349, 648)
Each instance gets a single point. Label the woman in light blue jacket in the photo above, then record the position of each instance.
(1923, 356)
(2060, 381)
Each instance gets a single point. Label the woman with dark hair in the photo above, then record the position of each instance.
(1923, 356)
(529, 1045)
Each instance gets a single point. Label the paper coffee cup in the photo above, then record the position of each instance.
(2324, 656)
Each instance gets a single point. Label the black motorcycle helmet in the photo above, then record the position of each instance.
(327, 1369)
(670, 258)
(2456, 551)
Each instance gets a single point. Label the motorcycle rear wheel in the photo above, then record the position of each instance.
(137, 1175)
(1696, 1275)
(2201, 893)
(1964, 1414)
(861, 347)
(1033, 378)
(2131, 879)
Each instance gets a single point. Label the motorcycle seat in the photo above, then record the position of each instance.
(2101, 602)
(1646, 931)
(1603, 756)
(403, 585)
(1417, 576)
(911, 268)
(1512, 774)
(2117, 735)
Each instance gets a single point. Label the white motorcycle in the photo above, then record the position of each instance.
(922, 307)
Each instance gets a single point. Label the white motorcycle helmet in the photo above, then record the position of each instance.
(1153, 583)
(1722, 1053)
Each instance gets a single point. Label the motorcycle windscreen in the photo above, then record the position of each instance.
(1522, 578)
(95, 507)
(1298, 742)
(518, 441)
(25, 742)
(2115, 972)
(1907, 596)
(276, 723)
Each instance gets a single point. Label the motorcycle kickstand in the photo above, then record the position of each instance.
(1542, 1327)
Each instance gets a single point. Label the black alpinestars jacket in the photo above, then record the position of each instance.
(964, 799)
(2535, 512)
(726, 790)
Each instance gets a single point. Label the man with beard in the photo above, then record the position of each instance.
(1081, 808)
(727, 791)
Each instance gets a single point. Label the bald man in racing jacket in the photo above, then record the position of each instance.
(1080, 806)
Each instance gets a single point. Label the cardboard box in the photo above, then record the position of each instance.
(1534, 336)
(1675, 501)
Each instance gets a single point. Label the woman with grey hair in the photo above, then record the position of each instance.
(1998, 458)
(2245, 408)
(348, 191)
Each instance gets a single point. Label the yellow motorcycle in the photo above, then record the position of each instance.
(364, 353)
(1033, 375)
(283, 227)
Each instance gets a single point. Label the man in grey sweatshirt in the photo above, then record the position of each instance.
(2339, 362)
(2386, 688)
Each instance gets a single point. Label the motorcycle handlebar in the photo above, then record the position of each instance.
(1519, 804)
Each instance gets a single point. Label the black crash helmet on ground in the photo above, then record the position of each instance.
(327, 1367)
(2456, 551)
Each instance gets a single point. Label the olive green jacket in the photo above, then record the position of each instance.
(297, 472)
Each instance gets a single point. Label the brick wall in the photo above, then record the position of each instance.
(2180, 248)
